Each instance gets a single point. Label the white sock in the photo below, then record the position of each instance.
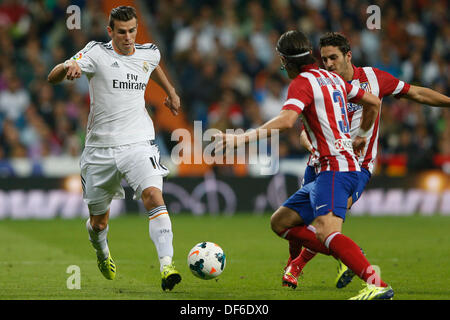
(99, 241)
(160, 229)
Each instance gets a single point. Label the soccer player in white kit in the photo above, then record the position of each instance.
(120, 134)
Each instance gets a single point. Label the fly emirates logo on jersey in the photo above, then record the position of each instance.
(131, 83)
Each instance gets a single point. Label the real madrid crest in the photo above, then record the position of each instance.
(146, 66)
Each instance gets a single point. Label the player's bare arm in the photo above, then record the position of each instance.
(427, 96)
(371, 107)
(69, 69)
(172, 100)
(285, 120)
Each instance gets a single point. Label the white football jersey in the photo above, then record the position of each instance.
(117, 86)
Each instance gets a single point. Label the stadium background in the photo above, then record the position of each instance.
(220, 57)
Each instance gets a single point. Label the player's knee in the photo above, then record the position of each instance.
(283, 219)
(323, 228)
(274, 223)
(152, 197)
(98, 226)
(327, 224)
(98, 221)
(278, 222)
(321, 234)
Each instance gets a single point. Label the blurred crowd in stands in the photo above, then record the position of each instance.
(220, 55)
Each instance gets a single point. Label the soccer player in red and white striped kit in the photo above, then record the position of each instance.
(319, 97)
(336, 56)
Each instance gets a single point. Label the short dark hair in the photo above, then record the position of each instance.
(122, 13)
(293, 43)
(335, 39)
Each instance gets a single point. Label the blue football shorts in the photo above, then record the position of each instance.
(329, 192)
(310, 175)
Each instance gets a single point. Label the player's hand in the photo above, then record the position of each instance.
(73, 69)
(173, 103)
(227, 142)
(222, 142)
(358, 145)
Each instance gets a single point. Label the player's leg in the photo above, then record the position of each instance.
(289, 225)
(160, 226)
(294, 249)
(160, 230)
(303, 258)
(292, 220)
(97, 226)
(326, 225)
(283, 219)
(101, 183)
(344, 274)
(289, 222)
(281, 222)
(330, 201)
(142, 169)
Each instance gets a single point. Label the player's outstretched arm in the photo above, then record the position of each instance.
(173, 100)
(69, 69)
(371, 107)
(427, 96)
(285, 120)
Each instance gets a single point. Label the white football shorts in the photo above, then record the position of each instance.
(102, 170)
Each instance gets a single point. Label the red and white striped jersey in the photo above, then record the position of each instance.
(320, 97)
(380, 84)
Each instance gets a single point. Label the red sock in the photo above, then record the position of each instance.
(307, 237)
(294, 250)
(304, 258)
(350, 254)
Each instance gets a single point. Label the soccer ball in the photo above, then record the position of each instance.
(206, 260)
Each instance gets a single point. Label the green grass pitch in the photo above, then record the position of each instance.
(412, 252)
